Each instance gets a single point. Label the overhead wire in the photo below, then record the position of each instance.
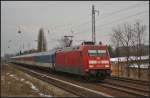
(109, 14)
(125, 18)
(124, 9)
(119, 19)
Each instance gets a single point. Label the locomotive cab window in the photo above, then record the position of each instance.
(96, 52)
(101, 52)
(92, 52)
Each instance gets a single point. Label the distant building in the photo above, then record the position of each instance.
(133, 50)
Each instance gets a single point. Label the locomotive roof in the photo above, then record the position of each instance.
(70, 48)
(78, 47)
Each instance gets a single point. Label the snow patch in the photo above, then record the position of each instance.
(36, 89)
(29, 83)
(141, 66)
(8, 82)
(7, 73)
(32, 86)
(43, 95)
(2, 78)
(22, 79)
(130, 58)
(11, 75)
(14, 76)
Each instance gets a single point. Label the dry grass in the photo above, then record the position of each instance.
(13, 86)
(133, 72)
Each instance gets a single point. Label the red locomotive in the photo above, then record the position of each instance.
(85, 60)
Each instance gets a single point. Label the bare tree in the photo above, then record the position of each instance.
(129, 36)
(139, 36)
(123, 35)
(116, 41)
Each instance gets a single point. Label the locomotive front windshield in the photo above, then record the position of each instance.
(96, 52)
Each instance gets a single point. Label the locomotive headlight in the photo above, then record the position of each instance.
(106, 65)
(105, 62)
(91, 66)
(92, 62)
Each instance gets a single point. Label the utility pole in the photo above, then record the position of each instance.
(19, 31)
(93, 24)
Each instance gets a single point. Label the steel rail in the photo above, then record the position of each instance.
(125, 89)
(145, 83)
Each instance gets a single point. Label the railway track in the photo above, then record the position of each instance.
(138, 87)
(130, 90)
(83, 89)
(67, 86)
(140, 82)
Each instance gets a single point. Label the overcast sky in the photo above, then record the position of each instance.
(62, 17)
